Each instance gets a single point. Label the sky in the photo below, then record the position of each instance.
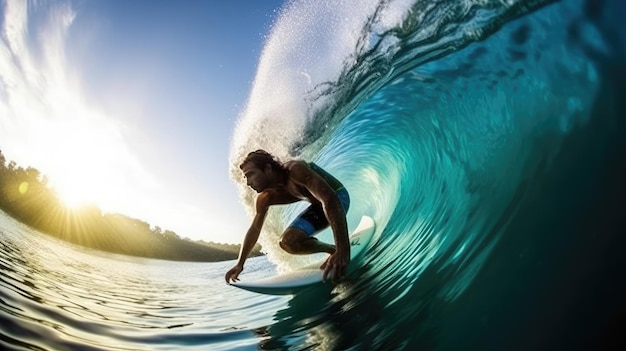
(131, 105)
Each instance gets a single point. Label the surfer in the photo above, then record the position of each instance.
(284, 183)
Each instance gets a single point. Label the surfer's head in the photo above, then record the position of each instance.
(260, 158)
(261, 170)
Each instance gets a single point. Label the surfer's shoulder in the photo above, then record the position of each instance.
(289, 165)
(297, 169)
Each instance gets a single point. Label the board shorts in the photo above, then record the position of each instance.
(313, 219)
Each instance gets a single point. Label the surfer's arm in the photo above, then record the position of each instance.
(252, 236)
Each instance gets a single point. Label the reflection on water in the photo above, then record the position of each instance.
(57, 296)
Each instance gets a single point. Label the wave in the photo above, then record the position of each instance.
(445, 120)
(419, 107)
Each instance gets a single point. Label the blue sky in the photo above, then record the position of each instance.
(132, 104)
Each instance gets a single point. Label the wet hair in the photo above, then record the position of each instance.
(260, 158)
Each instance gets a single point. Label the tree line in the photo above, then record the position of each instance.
(26, 196)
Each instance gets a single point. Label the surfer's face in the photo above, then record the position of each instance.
(256, 178)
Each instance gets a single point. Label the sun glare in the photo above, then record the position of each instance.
(49, 121)
(84, 165)
(45, 120)
(75, 192)
(73, 198)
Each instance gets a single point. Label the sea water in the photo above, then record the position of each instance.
(485, 138)
(58, 296)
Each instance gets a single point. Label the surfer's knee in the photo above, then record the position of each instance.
(283, 245)
(290, 240)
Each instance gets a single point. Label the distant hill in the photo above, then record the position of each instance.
(25, 195)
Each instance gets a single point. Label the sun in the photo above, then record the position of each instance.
(75, 192)
(86, 163)
(81, 152)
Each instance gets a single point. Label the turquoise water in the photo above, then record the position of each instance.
(485, 138)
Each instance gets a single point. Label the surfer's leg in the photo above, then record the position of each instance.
(298, 242)
(298, 238)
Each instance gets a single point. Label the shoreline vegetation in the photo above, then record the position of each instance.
(25, 196)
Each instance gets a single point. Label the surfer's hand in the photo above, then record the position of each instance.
(335, 266)
(233, 274)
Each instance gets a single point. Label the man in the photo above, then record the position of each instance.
(287, 183)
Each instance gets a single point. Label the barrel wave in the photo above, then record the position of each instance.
(482, 137)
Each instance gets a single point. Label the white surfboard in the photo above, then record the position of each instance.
(292, 282)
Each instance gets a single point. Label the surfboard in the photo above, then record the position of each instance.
(292, 282)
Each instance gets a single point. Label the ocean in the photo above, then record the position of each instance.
(485, 138)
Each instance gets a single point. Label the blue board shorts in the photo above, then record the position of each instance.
(313, 219)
